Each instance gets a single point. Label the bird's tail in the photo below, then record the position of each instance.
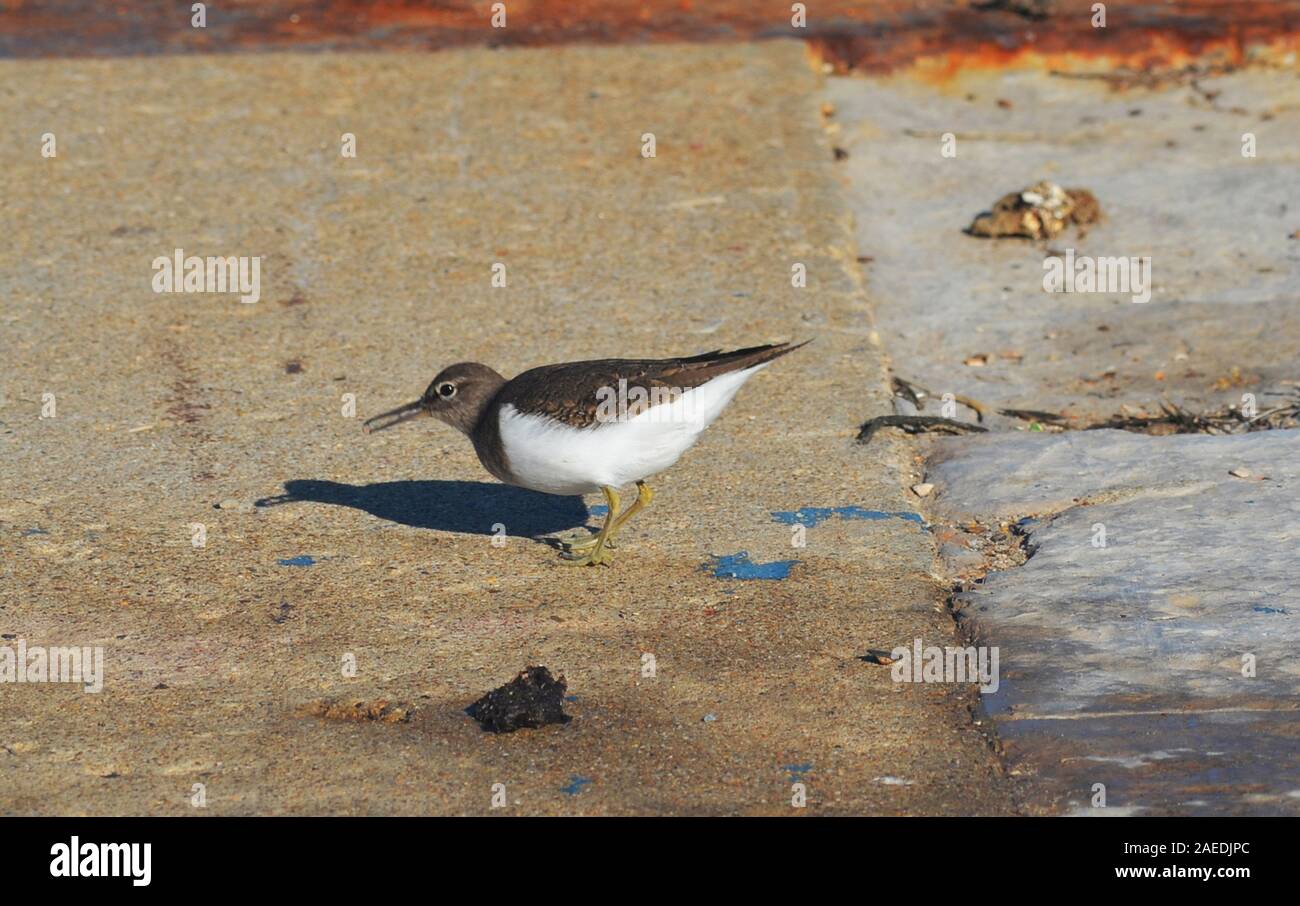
(719, 362)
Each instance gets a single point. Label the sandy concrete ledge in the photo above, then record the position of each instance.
(178, 410)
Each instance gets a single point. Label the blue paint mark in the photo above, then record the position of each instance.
(1281, 610)
(796, 771)
(34, 531)
(739, 566)
(570, 698)
(598, 510)
(576, 785)
(301, 560)
(810, 516)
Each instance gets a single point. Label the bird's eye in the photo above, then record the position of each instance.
(447, 390)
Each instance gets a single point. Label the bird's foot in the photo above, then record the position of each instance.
(599, 556)
(582, 541)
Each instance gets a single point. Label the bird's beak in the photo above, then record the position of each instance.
(395, 416)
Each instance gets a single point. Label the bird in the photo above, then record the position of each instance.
(586, 427)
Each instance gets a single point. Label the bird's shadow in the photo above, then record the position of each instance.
(467, 507)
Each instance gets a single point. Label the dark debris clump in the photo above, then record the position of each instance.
(1035, 10)
(1174, 419)
(916, 424)
(1042, 211)
(532, 699)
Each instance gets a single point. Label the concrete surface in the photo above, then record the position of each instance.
(174, 409)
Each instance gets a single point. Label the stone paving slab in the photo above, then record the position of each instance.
(970, 316)
(174, 410)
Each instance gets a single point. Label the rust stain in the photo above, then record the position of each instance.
(943, 42)
(936, 38)
(186, 405)
(183, 404)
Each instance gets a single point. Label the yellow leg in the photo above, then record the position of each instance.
(598, 555)
(643, 497)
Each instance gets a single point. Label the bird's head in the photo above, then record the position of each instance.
(458, 396)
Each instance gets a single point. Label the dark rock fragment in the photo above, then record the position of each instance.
(532, 699)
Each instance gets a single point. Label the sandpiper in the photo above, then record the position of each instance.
(582, 427)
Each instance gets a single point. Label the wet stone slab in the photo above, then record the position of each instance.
(1147, 644)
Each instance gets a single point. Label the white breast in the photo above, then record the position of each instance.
(550, 456)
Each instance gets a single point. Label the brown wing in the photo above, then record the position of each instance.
(572, 392)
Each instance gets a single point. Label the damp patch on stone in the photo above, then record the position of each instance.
(532, 699)
(810, 516)
(739, 566)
